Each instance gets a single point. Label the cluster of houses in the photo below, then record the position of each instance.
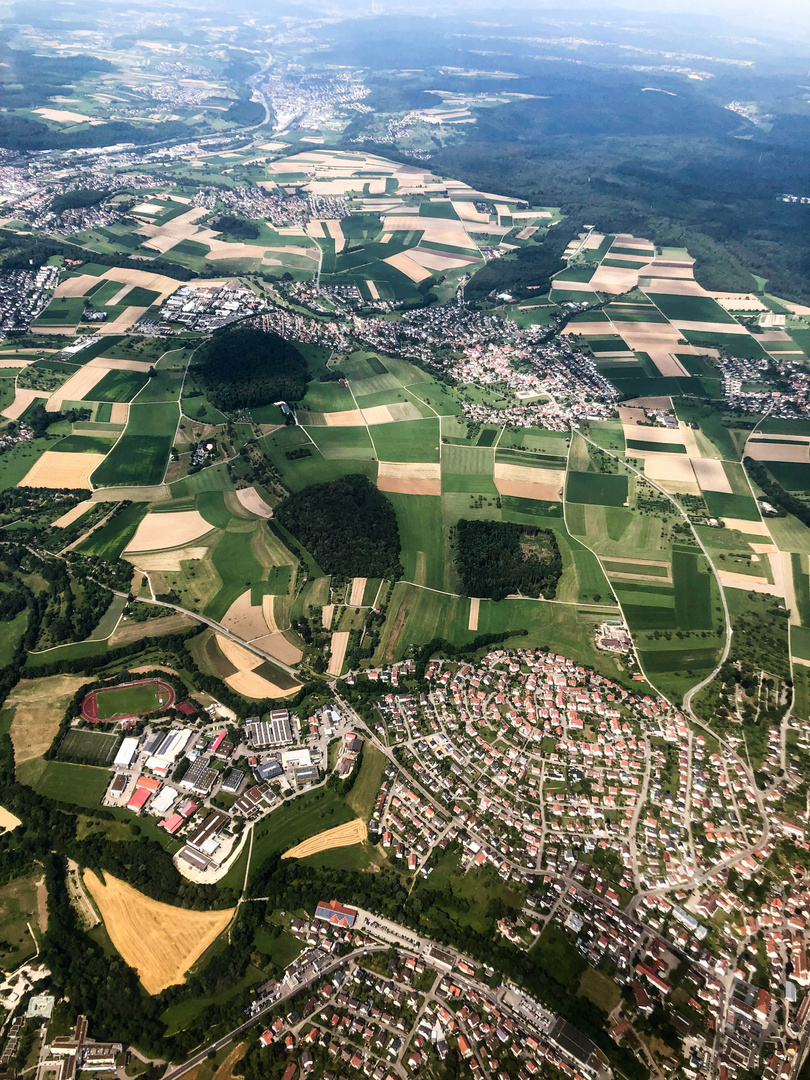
(24, 295)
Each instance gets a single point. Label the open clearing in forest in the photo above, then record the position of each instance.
(160, 941)
(353, 832)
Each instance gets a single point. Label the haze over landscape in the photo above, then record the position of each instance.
(405, 541)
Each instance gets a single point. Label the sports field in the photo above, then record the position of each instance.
(130, 699)
(160, 941)
(92, 747)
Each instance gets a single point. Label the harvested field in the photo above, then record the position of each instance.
(407, 266)
(674, 469)
(106, 363)
(340, 641)
(241, 658)
(8, 821)
(344, 418)
(269, 614)
(251, 685)
(773, 451)
(148, 208)
(748, 528)
(472, 622)
(709, 327)
(573, 286)
(160, 941)
(72, 515)
(525, 482)
(126, 633)
(435, 260)
(409, 478)
(245, 621)
(614, 279)
(119, 413)
(739, 301)
(711, 475)
(335, 231)
(75, 286)
(669, 280)
(252, 501)
(55, 470)
(372, 290)
(381, 414)
(125, 321)
(648, 434)
(353, 832)
(358, 588)
(39, 705)
(277, 646)
(158, 532)
(226, 1069)
(730, 580)
(22, 399)
(64, 116)
(76, 388)
(326, 616)
(169, 560)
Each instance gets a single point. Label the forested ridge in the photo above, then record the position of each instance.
(496, 558)
(347, 525)
(242, 367)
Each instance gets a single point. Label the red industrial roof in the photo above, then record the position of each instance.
(139, 798)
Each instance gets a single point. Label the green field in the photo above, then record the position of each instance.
(690, 308)
(141, 454)
(297, 820)
(81, 785)
(110, 540)
(118, 387)
(721, 504)
(85, 444)
(366, 787)
(18, 907)
(604, 489)
(410, 440)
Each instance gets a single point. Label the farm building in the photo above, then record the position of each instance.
(127, 752)
(335, 913)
